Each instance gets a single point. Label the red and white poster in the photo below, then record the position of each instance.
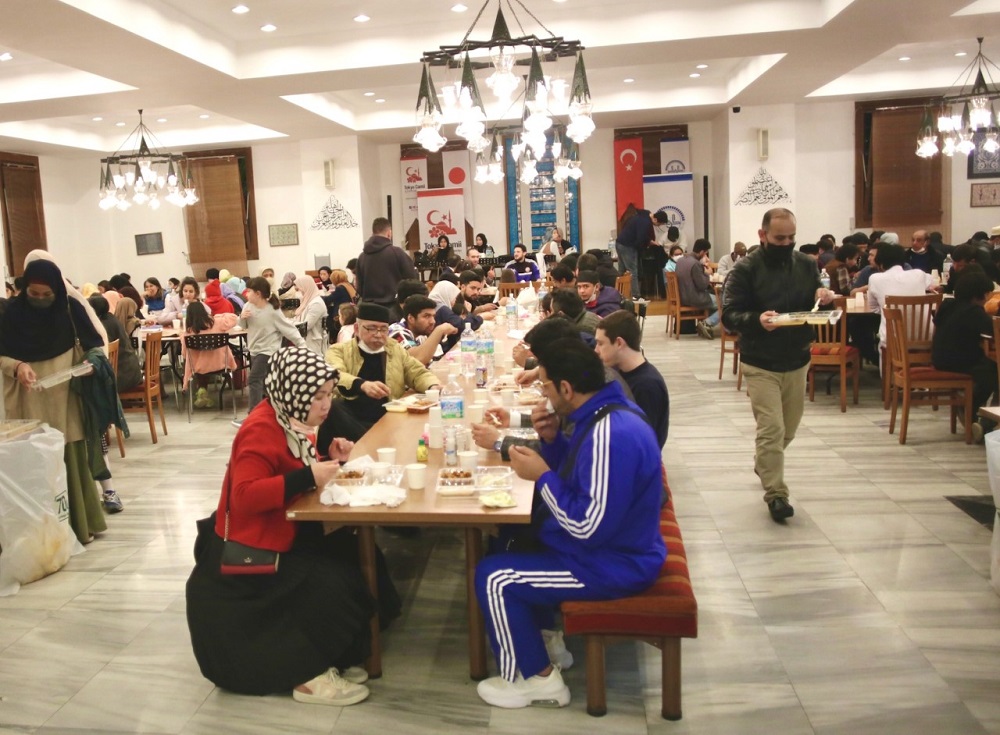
(442, 212)
(457, 167)
(628, 175)
(413, 176)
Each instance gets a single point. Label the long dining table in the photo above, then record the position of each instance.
(424, 508)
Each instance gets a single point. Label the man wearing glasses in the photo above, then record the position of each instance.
(375, 369)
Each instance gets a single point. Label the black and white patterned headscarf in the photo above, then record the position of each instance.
(294, 376)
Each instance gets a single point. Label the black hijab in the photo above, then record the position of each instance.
(31, 334)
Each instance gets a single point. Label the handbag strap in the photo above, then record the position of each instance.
(229, 484)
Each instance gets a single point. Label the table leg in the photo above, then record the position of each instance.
(477, 627)
(366, 548)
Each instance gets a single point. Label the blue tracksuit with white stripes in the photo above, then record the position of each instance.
(599, 524)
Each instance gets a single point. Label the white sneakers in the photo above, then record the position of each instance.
(543, 691)
(556, 648)
(335, 689)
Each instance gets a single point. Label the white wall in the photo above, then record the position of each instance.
(824, 169)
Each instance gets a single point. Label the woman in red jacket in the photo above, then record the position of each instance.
(305, 628)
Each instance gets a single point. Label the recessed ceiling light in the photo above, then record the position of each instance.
(204, 117)
(459, 8)
(369, 94)
(379, 101)
(119, 125)
(269, 27)
(558, 1)
(361, 18)
(5, 56)
(241, 9)
(904, 58)
(161, 119)
(694, 75)
(702, 66)
(96, 119)
(960, 53)
(628, 81)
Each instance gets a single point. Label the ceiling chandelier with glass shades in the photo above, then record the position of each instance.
(139, 174)
(966, 111)
(552, 109)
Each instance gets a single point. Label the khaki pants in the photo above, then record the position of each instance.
(777, 400)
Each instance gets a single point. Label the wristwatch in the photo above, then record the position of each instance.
(497, 444)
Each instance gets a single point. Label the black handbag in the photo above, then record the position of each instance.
(239, 558)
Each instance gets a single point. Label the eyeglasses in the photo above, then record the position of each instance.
(375, 330)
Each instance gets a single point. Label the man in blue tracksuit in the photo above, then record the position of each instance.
(596, 520)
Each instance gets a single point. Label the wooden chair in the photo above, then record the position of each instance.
(918, 316)
(149, 392)
(623, 285)
(922, 384)
(208, 341)
(113, 359)
(512, 289)
(830, 352)
(677, 313)
(729, 344)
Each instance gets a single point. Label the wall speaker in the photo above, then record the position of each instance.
(763, 144)
(328, 174)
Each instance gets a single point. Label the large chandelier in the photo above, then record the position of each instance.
(138, 174)
(963, 113)
(551, 107)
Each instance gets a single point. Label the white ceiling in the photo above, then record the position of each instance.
(217, 79)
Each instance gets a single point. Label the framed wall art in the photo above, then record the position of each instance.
(150, 243)
(983, 164)
(281, 235)
(985, 195)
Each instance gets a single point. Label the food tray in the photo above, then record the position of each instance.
(350, 477)
(798, 318)
(417, 403)
(473, 482)
(84, 368)
(488, 479)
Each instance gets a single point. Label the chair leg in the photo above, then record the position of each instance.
(811, 378)
(597, 705)
(856, 379)
(149, 415)
(190, 400)
(722, 357)
(159, 407)
(121, 442)
(893, 400)
(968, 415)
(905, 418)
(843, 387)
(671, 674)
(739, 375)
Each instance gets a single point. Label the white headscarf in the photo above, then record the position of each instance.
(307, 292)
(444, 293)
(72, 293)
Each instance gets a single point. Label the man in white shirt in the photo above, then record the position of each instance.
(727, 261)
(892, 280)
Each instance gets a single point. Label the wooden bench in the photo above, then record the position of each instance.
(660, 616)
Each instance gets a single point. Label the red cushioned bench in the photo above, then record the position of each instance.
(660, 616)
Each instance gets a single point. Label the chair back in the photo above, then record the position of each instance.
(623, 285)
(113, 355)
(512, 289)
(154, 351)
(918, 317)
(833, 335)
(303, 328)
(673, 291)
(207, 340)
(895, 332)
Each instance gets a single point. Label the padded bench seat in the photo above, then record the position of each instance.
(660, 616)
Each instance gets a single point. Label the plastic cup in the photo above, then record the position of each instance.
(484, 454)
(480, 395)
(416, 476)
(507, 397)
(434, 394)
(387, 455)
(475, 413)
(435, 436)
(176, 324)
(508, 364)
(434, 416)
(467, 460)
(379, 470)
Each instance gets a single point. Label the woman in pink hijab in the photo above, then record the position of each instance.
(312, 312)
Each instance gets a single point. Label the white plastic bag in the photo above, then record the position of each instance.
(35, 534)
(993, 465)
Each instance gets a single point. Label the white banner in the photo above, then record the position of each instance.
(442, 212)
(675, 156)
(457, 172)
(674, 195)
(413, 177)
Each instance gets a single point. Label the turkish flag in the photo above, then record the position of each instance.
(628, 174)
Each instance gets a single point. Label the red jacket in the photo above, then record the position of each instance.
(259, 463)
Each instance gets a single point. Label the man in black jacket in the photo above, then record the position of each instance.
(774, 279)
(636, 234)
(381, 266)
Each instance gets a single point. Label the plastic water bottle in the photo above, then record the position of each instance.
(946, 268)
(468, 351)
(824, 279)
(512, 312)
(488, 346)
(452, 401)
(450, 447)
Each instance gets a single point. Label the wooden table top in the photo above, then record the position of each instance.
(421, 507)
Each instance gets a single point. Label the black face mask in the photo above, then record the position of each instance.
(41, 303)
(777, 254)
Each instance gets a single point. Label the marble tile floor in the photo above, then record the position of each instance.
(869, 612)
